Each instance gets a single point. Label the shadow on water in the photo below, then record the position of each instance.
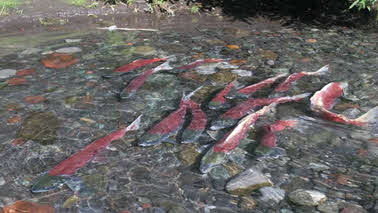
(319, 12)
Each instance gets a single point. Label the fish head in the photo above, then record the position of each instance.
(47, 182)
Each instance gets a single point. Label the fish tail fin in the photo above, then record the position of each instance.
(370, 117)
(321, 71)
(163, 66)
(135, 125)
(343, 85)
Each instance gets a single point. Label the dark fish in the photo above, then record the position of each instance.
(197, 124)
(231, 117)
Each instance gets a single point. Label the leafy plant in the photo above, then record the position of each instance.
(363, 4)
(195, 8)
(5, 5)
(78, 2)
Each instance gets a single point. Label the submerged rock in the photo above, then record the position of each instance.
(272, 194)
(307, 197)
(247, 203)
(189, 154)
(6, 73)
(40, 127)
(247, 181)
(144, 50)
(68, 50)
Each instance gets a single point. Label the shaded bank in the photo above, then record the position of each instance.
(321, 12)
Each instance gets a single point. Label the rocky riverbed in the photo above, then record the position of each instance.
(60, 93)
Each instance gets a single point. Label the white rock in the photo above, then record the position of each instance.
(242, 73)
(6, 73)
(2, 181)
(307, 197)
(72, 40)
(68, 50)
(247, 181)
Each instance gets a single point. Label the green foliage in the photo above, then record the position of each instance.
(78, 2)
(195, 8)
(363, 4)
(5, 5)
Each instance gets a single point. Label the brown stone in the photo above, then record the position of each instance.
(26, 206)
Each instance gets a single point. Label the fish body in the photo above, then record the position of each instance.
(231, 140)
(55, 177)
(165, 128)
(138, 63)
(269, 139)
(168, 126)
(323, 100)
(219, 101)
(246, 91)
(197, 124)
(231, 116)
(137, 82)
(284, 86)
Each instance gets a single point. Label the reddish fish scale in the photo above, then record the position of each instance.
(220, 96)
(327, 97)
(79, 159)
(138, 63)
(340, 118)
(243, 108)
(284, 86)
(170, 123)
(199, 118)
(269, 139)
(225, 145)
(137, 82)
(282, 124)
(253, 88)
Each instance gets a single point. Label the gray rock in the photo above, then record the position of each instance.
(6, 73)
(272, 194)
(2, 180)
(351, 208)
(247, 181)
(68, 50)
(318, 166)
(307, 197)
(30, 51)
(328, 207)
